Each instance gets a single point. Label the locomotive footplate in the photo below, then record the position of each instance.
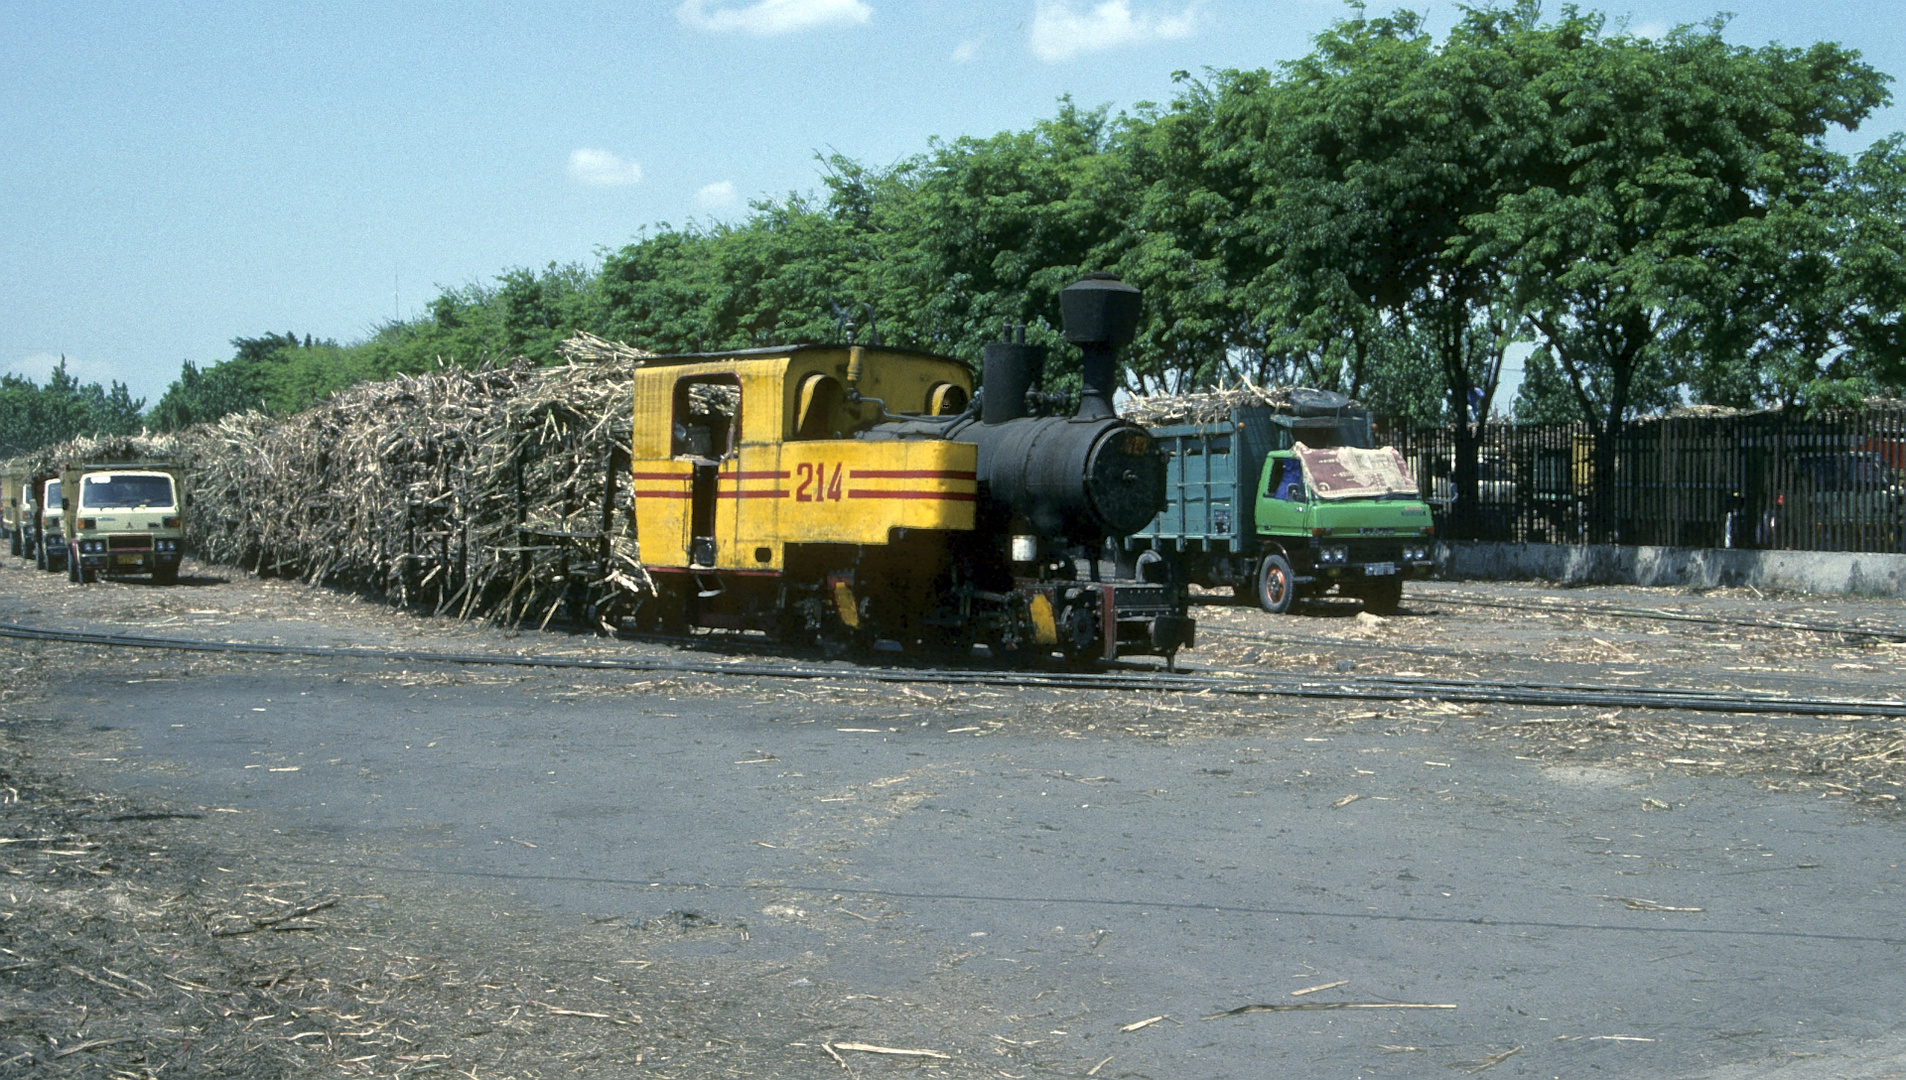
(1106, 620)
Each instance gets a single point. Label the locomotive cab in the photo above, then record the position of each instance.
(737, 456)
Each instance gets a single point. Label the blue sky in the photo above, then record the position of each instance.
(178, 174)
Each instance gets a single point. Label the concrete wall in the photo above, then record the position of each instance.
(1608, 564)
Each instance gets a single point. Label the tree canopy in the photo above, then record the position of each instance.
(1648, 219)
(33, 415)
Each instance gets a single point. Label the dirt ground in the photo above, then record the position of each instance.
(148, 935)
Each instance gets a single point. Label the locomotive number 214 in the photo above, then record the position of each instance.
(816, 483)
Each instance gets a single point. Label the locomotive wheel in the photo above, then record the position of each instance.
(1079, 633)
(1276, 584)
(662, 612)
(948, 642)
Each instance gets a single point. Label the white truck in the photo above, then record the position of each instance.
(123, 519)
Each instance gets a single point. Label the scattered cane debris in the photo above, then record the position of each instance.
(1323, 1006)
(890, 1051)
(1638, 904)
(1490, 1062)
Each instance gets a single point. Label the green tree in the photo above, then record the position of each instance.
(1545, 396)
(1359, 172)
(32, 416)
(1652, 154)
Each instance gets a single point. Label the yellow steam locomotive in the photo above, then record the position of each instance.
(856, 494)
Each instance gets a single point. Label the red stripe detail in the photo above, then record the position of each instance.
(753, 493)
(949, 496)
(755, 475)
(659, 476)
(911, 474)
(664, 493)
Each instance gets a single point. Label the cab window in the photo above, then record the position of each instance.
(815, 406)
(1287, 482)
(707, 417)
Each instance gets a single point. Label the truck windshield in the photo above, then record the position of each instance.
(114, 492)
(52, 495)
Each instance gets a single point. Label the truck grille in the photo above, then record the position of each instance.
(128, 542)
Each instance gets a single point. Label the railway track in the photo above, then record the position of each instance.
(1855, 630)
(1385, 688)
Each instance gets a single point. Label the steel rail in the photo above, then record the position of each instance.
(1361, 688)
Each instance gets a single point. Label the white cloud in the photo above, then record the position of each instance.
(966, 51)
(765, 18)
(600, 168)
(719, 195)
(1653, 31)
(1062, 30)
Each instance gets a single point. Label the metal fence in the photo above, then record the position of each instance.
(1753, 480)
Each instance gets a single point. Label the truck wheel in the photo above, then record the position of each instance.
(72, 568)
(165, 575)
(39, 556)
(1276, 584)
(13, 541)
(1382, 597)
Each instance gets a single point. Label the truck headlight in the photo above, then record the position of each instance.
(92, 547)
(1335, 553)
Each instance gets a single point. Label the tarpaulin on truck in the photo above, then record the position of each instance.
(1345, 472)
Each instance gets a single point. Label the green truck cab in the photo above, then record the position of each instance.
(123, 519)
(1343, 517)
(1287, 500)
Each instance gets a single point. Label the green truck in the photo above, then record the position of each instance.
(1286, 500)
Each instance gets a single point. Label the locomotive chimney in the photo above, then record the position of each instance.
(1011, 368)
(1100, 313)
